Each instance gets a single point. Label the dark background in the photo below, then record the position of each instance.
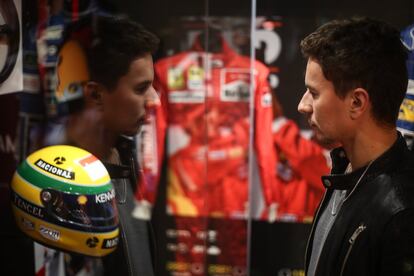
(277, 248)
(300, 17)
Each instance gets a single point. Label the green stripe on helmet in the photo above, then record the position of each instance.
(43, 181)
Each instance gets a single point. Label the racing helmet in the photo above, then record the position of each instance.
(62, 197)
(72, 73)
(405, 122)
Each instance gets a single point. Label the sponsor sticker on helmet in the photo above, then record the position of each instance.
(27, 224)
(105, 197)
(49, 233)
(92, 242)
(93, 167)
(110, 243)
(82, 200)
(54, 170)
(27, 206)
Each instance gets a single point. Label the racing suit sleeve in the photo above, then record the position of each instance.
(263, 135)
(305, 156)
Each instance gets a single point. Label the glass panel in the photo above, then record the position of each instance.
(205, 86)
(237, 89)
(226, 179)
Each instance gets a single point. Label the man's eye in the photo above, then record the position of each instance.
(313, 94)
(141, 90)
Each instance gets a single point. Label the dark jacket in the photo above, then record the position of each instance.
(373, 233)
(133, 255)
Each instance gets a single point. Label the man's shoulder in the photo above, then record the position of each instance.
(403, 180)
(404, 171)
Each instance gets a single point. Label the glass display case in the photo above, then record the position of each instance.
(229, 173)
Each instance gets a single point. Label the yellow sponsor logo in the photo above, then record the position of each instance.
(178, 266)
(82, 200)
(195, 73)
(175, 78)
(219, 269)
(195, 76)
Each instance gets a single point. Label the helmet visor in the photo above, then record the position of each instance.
(85, 210)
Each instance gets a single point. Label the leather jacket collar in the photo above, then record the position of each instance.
(345, 181)
(125, 146)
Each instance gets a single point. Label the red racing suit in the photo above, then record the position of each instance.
(300, 163)
(205, 114)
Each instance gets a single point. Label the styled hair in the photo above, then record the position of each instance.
(101, 49)
(117, 41)
(366, 53)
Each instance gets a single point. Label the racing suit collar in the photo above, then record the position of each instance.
(226, 51)
(339, 180)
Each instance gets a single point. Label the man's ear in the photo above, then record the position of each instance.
(92, 93)
(359, 102)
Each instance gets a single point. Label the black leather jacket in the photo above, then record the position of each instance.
(133, 255)
(373, 233)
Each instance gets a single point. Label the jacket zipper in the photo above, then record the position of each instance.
(313, 228)
(351, 240)
(357, 232)
(361, 227)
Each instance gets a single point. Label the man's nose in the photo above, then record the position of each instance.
(152, 97)
(305, 105)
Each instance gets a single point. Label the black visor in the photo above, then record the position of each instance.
(90, 210)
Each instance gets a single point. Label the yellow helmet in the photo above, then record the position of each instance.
(72, 73)
(62, 197)
(405, 122)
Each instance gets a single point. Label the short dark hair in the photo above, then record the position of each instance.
(366, 53)
(117, 41)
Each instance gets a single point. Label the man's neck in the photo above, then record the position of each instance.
(368, 144)
(86, 131)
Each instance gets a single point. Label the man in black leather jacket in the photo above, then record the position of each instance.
(356, 79)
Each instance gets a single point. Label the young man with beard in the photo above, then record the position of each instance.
(356, 79)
